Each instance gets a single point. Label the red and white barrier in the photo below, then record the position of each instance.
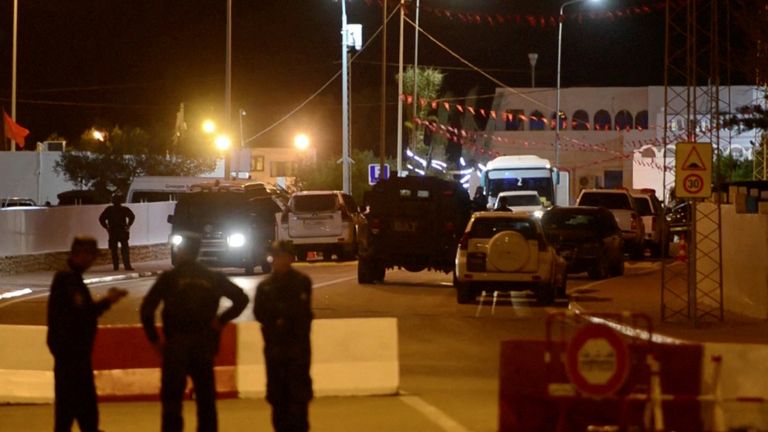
(350, 357)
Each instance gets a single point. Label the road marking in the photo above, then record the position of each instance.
(434, 414)
(333, 282)
(23, 298)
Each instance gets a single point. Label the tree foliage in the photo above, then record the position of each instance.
(110, 165)
(327, 174)
(429, 81)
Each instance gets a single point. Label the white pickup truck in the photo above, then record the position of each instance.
(622, 205)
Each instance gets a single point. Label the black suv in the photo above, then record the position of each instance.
(588, 238)
(413, 222)
(237, 224)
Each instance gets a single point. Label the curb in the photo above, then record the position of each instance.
(122, 277)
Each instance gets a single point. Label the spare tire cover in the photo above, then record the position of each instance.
(508, 251)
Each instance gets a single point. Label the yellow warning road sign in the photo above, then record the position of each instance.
(693, 170)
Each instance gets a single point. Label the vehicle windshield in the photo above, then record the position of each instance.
(539, 180)
(195, 209)
(489, 227)
(314, 203)
(615, 201)
(643, 206)
(522, 200)
(569, 221)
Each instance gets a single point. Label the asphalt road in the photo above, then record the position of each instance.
(449, 353)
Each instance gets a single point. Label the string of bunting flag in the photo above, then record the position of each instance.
(468, 140)
(541, 120)
(532, 20)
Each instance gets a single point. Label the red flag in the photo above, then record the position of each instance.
(14, 131)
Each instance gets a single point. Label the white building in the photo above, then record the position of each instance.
(610, 136)
(275, 165)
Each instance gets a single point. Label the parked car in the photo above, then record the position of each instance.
(520, 202)
(588, 238)
(414, 223)
(651, 211)
(622, 205)
(503, 251)
(17, 202)
(236, 225)
(322, 221)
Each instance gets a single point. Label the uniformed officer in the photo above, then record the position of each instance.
(190, 294)
(72, 320)
(117, 220)
(283, 306)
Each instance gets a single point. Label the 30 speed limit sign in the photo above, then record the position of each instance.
(693, 170)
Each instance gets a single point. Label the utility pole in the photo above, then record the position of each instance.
(400, 92)
(228, 92)
(13, 73)
(383, 127)
(346, 183)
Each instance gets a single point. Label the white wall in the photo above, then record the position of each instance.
(745, 270)
(31, 175)
(33, 231)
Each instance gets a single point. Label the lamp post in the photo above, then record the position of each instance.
(416, 71)
(228, 86)
(346, 181)
(241, 114)
(559, 57)
(13, 67)
(532, 57)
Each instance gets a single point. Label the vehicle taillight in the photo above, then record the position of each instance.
(464, 242)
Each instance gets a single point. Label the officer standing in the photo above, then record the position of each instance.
(190, 294)
(283, 306)
(72, 320)
(117, 220)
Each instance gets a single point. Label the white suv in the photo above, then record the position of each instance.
(503, 251)
(321, 221)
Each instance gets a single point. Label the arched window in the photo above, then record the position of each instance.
(602, 120)
(515, 120)
(563, 121)
(641, 120)
(536, 121)
(580, 120)
(624, 120)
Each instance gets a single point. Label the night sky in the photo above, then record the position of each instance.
(130, 63)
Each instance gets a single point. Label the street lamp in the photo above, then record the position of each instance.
(558, 116)
(301, 142)
(222, 143)
(99, 135)
(209, 126)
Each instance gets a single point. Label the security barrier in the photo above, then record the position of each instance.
(350, 357)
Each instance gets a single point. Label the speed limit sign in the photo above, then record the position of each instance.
(693, 170)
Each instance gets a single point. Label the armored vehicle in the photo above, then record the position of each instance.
(413, 223)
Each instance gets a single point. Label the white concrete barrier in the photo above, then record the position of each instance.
(349, 357)
(26, 365)
(33, 231)
(356, 356)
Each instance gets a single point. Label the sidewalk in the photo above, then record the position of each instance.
(642, 294)
(17, 284)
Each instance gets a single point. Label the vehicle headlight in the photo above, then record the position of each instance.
(176, 239)
(538, 213)
(236, 240)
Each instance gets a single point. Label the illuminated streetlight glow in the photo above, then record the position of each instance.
(99, 135)
(209, 126)
(222, 143)
(301, 142)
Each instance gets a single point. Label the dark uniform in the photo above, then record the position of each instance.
(72, 320)
(190, 294)
(283, 306)
(117, 220)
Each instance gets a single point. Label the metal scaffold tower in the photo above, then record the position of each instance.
(695, 60)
